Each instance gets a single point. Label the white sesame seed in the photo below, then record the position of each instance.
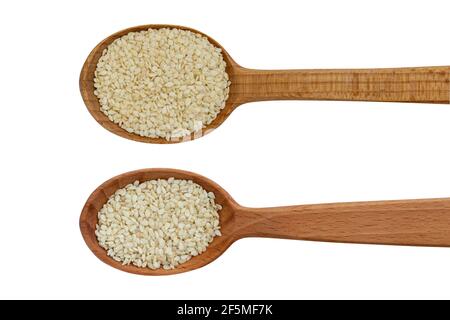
(165, 83)
(149, 230)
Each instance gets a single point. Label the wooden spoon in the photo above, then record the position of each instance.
(406, 222)
(423, 84)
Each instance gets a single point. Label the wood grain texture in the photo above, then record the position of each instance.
(421, 85)
(423, 222)
(425, 85)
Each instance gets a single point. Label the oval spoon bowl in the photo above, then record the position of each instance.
(93, 105)
(89, 218)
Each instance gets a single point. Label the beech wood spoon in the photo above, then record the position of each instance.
(422, 84)
(423, 222)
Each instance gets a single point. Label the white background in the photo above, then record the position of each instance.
(266, 154)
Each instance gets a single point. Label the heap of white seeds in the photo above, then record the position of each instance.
(164, 83)
(158, 223)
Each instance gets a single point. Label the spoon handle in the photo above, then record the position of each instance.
(423, 84)
(406, 222)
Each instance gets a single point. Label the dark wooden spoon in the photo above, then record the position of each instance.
(422, 84)
(423, 222)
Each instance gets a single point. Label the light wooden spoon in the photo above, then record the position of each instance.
(406, 222)
(423, 84)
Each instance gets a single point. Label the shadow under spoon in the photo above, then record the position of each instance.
(423, 222)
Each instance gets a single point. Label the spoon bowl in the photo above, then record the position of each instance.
(419, 84)
(93, 105)
(99, 197)
(423, 222)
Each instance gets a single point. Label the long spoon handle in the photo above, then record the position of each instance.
(406, 222)
(423, 84)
